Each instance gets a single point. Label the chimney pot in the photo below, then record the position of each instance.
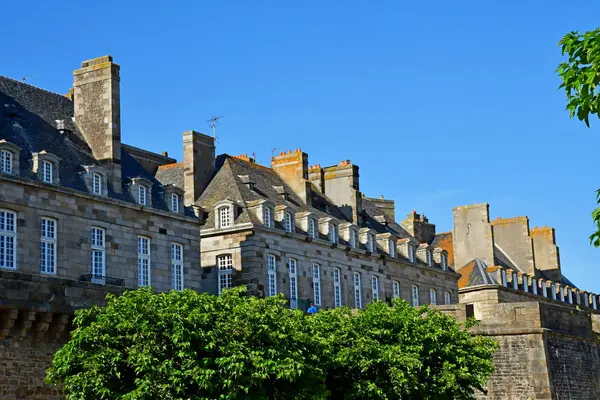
(165, 153)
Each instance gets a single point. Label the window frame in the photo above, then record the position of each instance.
(392, 248)
(414, 295)
(225, 275)
(6, 236)
(142, 200)
(268, 216)
(353, 238)
(97, 248)
(432, 296)
(357, 290)
(375, 287)
(177, 278)
(411, 253)
(271, 275)
(333, 233)
(144, 262)
(370, 243)
(444, 262)
(312, 228)
(175, 199)
(447, 297)
(6, 159)
(47, 242)
(224, 217)
(316, 278)
(288, 222)
(395, 289)
(337, 287)
(47, 171)
(97, 178)
(293, 277)
(429, 257)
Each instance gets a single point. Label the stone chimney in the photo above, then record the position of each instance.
(386, 206)
(545, 251)
(472, 235)
(97, 103)
(316, 176)
(419, 226)
(292, 167)
(198, 164)
(342, 187)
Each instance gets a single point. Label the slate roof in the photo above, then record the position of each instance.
(28, 118)
(171, 174)
(475, 274)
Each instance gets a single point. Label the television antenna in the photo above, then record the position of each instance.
(23, 79)
(214, 121)
(273, 150)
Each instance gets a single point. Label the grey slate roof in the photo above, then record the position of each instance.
(171, 174)
(28, 119)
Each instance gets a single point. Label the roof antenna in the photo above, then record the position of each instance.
(213, 124)
(23, 79)
(273, 150)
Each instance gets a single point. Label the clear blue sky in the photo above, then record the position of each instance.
(440, 103)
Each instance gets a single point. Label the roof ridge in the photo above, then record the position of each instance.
(35, 87)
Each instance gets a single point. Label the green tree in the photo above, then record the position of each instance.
(580, 76)
(186, 345)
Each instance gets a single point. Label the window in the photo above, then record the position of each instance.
(352, 238)
(432, 296)
(337, 287)
(447, 298)
(96, 184)
(395, 289)
(177, 266)
(503, 277)
(357, 295)
(143, 261)
(333, 234)
(175, 202)
(293, 283)
(142, 195)
(370, 243)
(224, 217)
(47, 171)
(316, 274)
(392, 246)
(411, 253)
(272, 271)
(268, 217)
(429, 259)
(444, 262)
(98, 255)
(8, 239)
(415, 295)
(525, 284)
(375, 287)
(289, 223)
(6, 158)
(48, 246)
(225, 266)
(312, 228)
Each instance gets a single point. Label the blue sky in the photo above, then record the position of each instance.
(440, 103)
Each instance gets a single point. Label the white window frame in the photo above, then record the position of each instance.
(371, 243)
(8, 239)
(375, 287)
(288, 222)
(353, 238)
(433, 296)
(272, 275)
(293, 269)
(337, 287)
(144, 262)
(414, 295)
(357, 291)
(392, 246)
(225, 274)
(333, 233)
(47, 171)
(447, 298)
(411, 253)
(224, 216)
(96, 183)
(267, 216)
(174, 202)
(48, 237)
(429, 258)
(142, 195)
(395, 289)
(316, 276)
(98, 254)
(444, 262)
(312, 228)
(177, 266)
(6, 161)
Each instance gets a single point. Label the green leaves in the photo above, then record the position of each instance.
(580, 74)
(186, 345)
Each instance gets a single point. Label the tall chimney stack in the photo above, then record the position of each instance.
(97, 103)
(198, 164)
(292, 167)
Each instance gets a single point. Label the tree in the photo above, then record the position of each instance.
(186, 345)
(580, 76)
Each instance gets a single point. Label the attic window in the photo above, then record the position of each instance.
(444, 262)
(7, 161)
(429, 258)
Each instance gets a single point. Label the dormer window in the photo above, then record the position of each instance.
(429, 259)
(175, 202)
(371, 243)
(444, 262)
(288, 222)
(312, 228)
(47, 171)
(97, 184)
(268, 216)
(333, 233)
(224, 217)
(411, 253)
(353, 238)
(6, 158)
(142, 195)
(392, 248)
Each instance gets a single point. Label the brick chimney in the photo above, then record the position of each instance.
(198, 164)
(342, 187)
(292, 167)
(97, 103)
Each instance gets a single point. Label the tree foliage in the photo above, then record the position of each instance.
(580, 76)
(187, 345)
